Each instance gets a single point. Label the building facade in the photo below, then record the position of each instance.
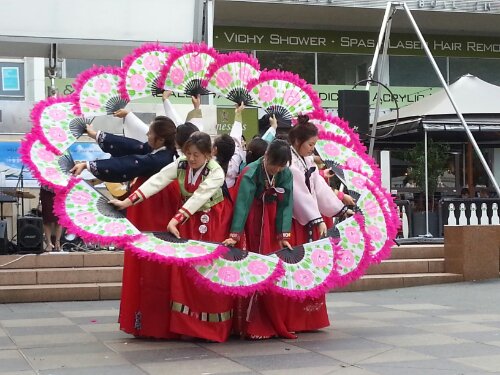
(329, 43)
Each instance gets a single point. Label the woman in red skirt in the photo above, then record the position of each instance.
(261, 223)
(193, 312)
(314, 202)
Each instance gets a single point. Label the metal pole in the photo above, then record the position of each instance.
(208, 38)
(426, 188)
(379, 87)
(384, 33)
(371, 70)
(52, 70)
(459, 114)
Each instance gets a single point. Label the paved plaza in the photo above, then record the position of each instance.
(442, 329)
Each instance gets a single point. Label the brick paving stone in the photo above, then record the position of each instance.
(433, 330)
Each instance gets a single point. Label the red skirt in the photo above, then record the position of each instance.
(197, 311)
(161, 301)
(145, 309)
(210, 225)
(260, 228)
(145, 300)
(256, 316)
(271, 314)
(311, 313)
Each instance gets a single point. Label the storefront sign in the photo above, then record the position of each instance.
(327, 94)
(225, 120)
(404, 95)
(267, 39)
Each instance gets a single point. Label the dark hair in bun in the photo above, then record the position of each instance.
(303, 131)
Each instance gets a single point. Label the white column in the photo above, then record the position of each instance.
(385, 168)
(34, 70)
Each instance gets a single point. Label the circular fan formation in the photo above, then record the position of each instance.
(307, 270)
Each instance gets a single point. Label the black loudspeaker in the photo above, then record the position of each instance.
(30, 234)
(3, 237)
(354, 107)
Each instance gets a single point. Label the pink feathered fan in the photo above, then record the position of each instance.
(283, 94)
(185, 69)
(141, 70)
(229, 75)
(97, 91)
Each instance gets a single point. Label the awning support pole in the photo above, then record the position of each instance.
(383, 37)
(427, 233)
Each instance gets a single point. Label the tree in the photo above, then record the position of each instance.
(437, 158)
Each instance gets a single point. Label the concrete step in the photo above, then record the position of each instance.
(97, 275)
(59, 292)
(62, 260)
(417, 251)
(77, 275)
(433, 265)
(391, 281)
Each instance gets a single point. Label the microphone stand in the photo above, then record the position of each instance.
(20, 180)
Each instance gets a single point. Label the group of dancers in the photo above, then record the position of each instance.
(267, 196)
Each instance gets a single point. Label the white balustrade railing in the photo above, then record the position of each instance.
(454, 211)
(470, 215)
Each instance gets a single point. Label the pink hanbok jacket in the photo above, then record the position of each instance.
(310, 204)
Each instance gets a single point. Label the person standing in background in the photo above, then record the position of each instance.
(50, 221)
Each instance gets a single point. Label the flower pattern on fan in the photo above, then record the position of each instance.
(303, 277)
(267, 93)
(152, 63)
(257, 267)
(229, 274)
(45, 155)
(52, 173)
(320, 258)
(166, 250)
(58, 134)
(81, 198)
(137, 82)
(57, 114)
(223, 79)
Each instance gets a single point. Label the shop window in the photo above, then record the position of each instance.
(299, 63)
(335, 69)
(399, 171)
(76, 66)
(485, 69)
(415, 71)
(11, 81)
